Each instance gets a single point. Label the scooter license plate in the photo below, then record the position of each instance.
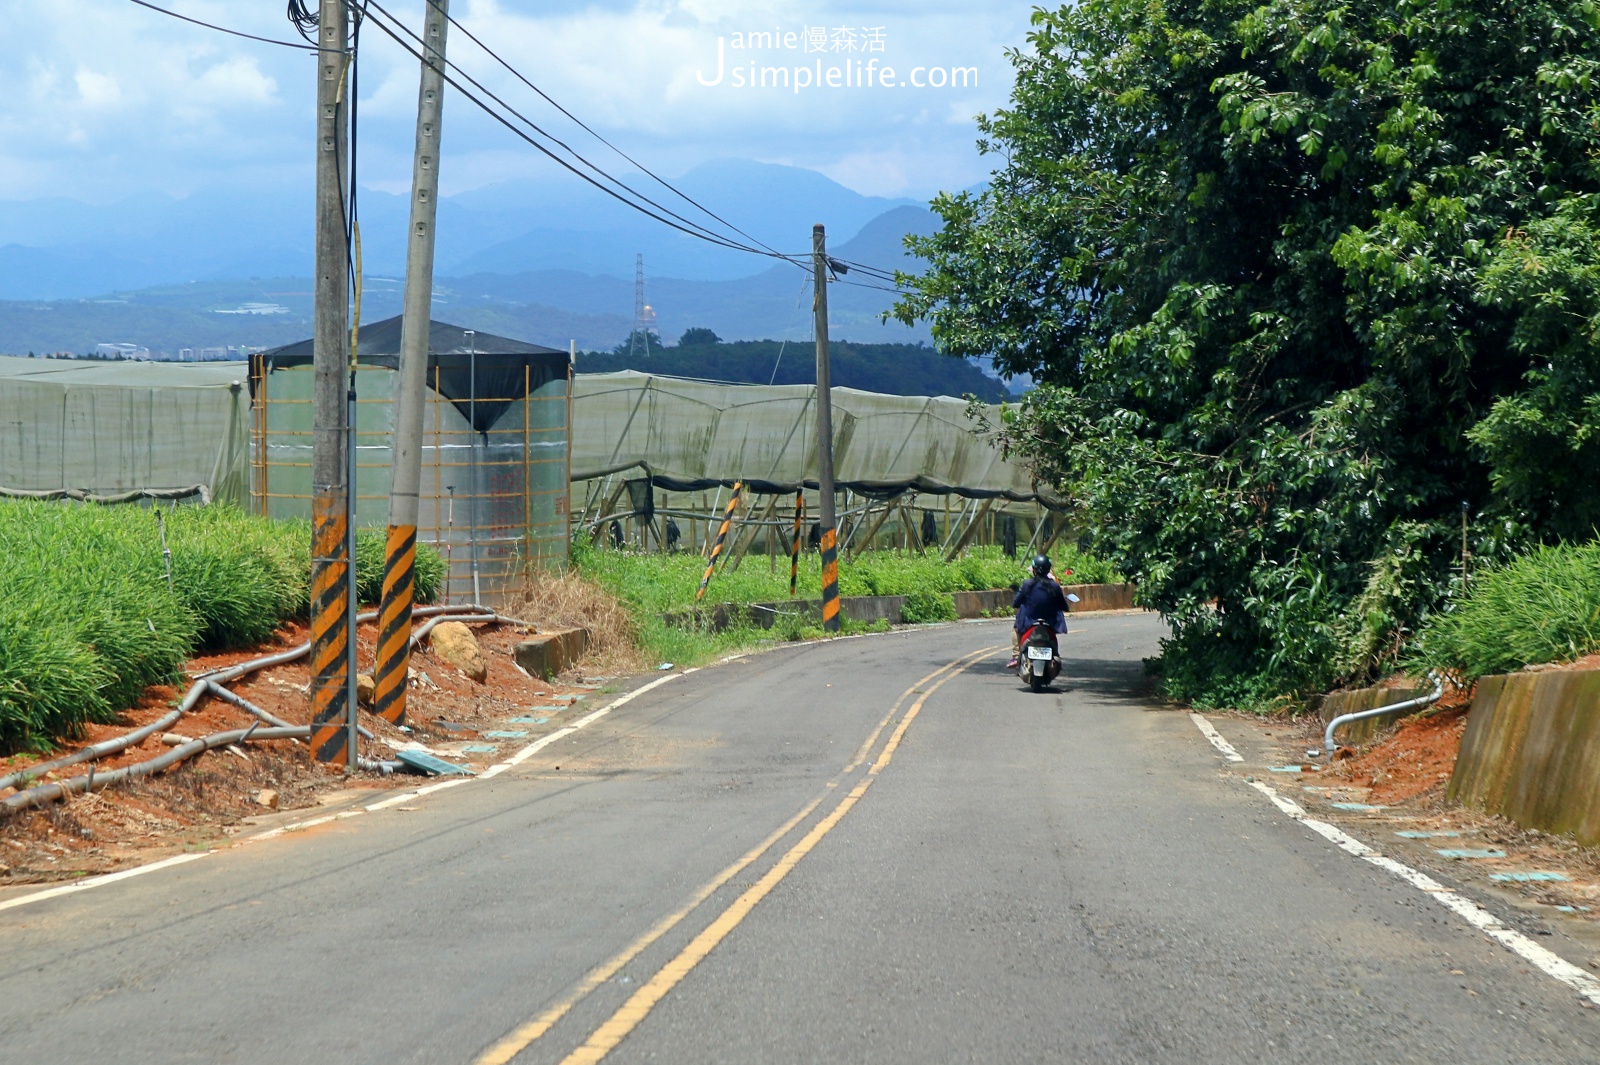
(1040, 654)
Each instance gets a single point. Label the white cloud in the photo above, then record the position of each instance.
(239, 80)
(97, 91)
(171, 107)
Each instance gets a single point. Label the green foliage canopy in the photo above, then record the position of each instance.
(1298, 279)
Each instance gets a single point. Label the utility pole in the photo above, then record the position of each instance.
(830, 547)
(330, 545)
(405, 480)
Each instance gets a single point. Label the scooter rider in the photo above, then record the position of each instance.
(1039, 598)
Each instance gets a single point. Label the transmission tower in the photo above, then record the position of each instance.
(644, 317)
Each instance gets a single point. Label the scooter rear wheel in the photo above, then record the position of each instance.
(1036, 682)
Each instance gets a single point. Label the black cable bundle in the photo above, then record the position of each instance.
(304, 19)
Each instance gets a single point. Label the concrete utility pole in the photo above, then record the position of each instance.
(405, 481)
(830, 550)
(330, 545)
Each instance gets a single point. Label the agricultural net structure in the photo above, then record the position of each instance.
(648, 459)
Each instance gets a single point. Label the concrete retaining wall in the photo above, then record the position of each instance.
(1349, 702)
(1532, 751)
(553, 652)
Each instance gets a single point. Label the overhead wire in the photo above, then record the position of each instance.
(304, 21)
(224, 29)
(663, 182)
(687, 226)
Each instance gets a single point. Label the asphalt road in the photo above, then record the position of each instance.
(997, 877)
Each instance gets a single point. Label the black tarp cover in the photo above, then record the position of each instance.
(506, 368)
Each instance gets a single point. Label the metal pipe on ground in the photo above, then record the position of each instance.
(422, 632)
(203, 685)
(251, 708)
(1393, 708)
(59, 789)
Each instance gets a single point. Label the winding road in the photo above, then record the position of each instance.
(870, 850)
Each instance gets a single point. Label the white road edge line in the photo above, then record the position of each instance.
(394, 800)
(1545, 960)
(1210, 733)
(97, 881)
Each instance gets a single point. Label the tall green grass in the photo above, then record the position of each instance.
(88, 621)
(653, 585)
(1541, 607)
(657, 584)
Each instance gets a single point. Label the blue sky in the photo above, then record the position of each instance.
(103, 99)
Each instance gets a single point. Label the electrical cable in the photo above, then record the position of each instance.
(687, 227)
(224, 29)
(788, 329)
(599, 137)
(305, 20)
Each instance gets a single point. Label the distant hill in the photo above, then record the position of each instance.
(543, 306)
(56, 248)
(895, 369)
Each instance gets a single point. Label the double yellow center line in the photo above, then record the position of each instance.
(616, 1028)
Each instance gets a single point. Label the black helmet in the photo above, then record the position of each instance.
(1041, 565)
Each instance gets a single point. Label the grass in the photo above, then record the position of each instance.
(88, 620)
(659, 584)
(645, 587)
(1541, 607)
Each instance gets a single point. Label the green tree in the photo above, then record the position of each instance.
(1297, 279)
(697, 336)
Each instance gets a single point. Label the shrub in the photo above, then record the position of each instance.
(924, 605)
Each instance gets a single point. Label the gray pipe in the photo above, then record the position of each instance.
(105, 747)
(205, 683)
(423, 630)
(1419, 701)
(251, 708)
(50, 792)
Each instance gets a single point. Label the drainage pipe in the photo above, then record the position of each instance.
(423, 630)
(251, 708)
(227, 673)
(206, 683)
(60, 789)
(1418, 702)
(105, 747)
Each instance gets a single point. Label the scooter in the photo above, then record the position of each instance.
(1039, 662)
(1039, 654)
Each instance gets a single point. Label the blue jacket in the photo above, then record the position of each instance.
(1040, 599)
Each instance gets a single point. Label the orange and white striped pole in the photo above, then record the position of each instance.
(722, 540)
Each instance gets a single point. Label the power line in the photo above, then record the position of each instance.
(688, 227)
(599, 137)
(224, 29)
(304, 20)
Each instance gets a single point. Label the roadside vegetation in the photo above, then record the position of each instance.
(88, 619)
(1540, 607)
(650, 586)
(661, 583)
(1302, 285)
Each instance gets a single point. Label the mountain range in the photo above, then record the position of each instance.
(548, 262)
